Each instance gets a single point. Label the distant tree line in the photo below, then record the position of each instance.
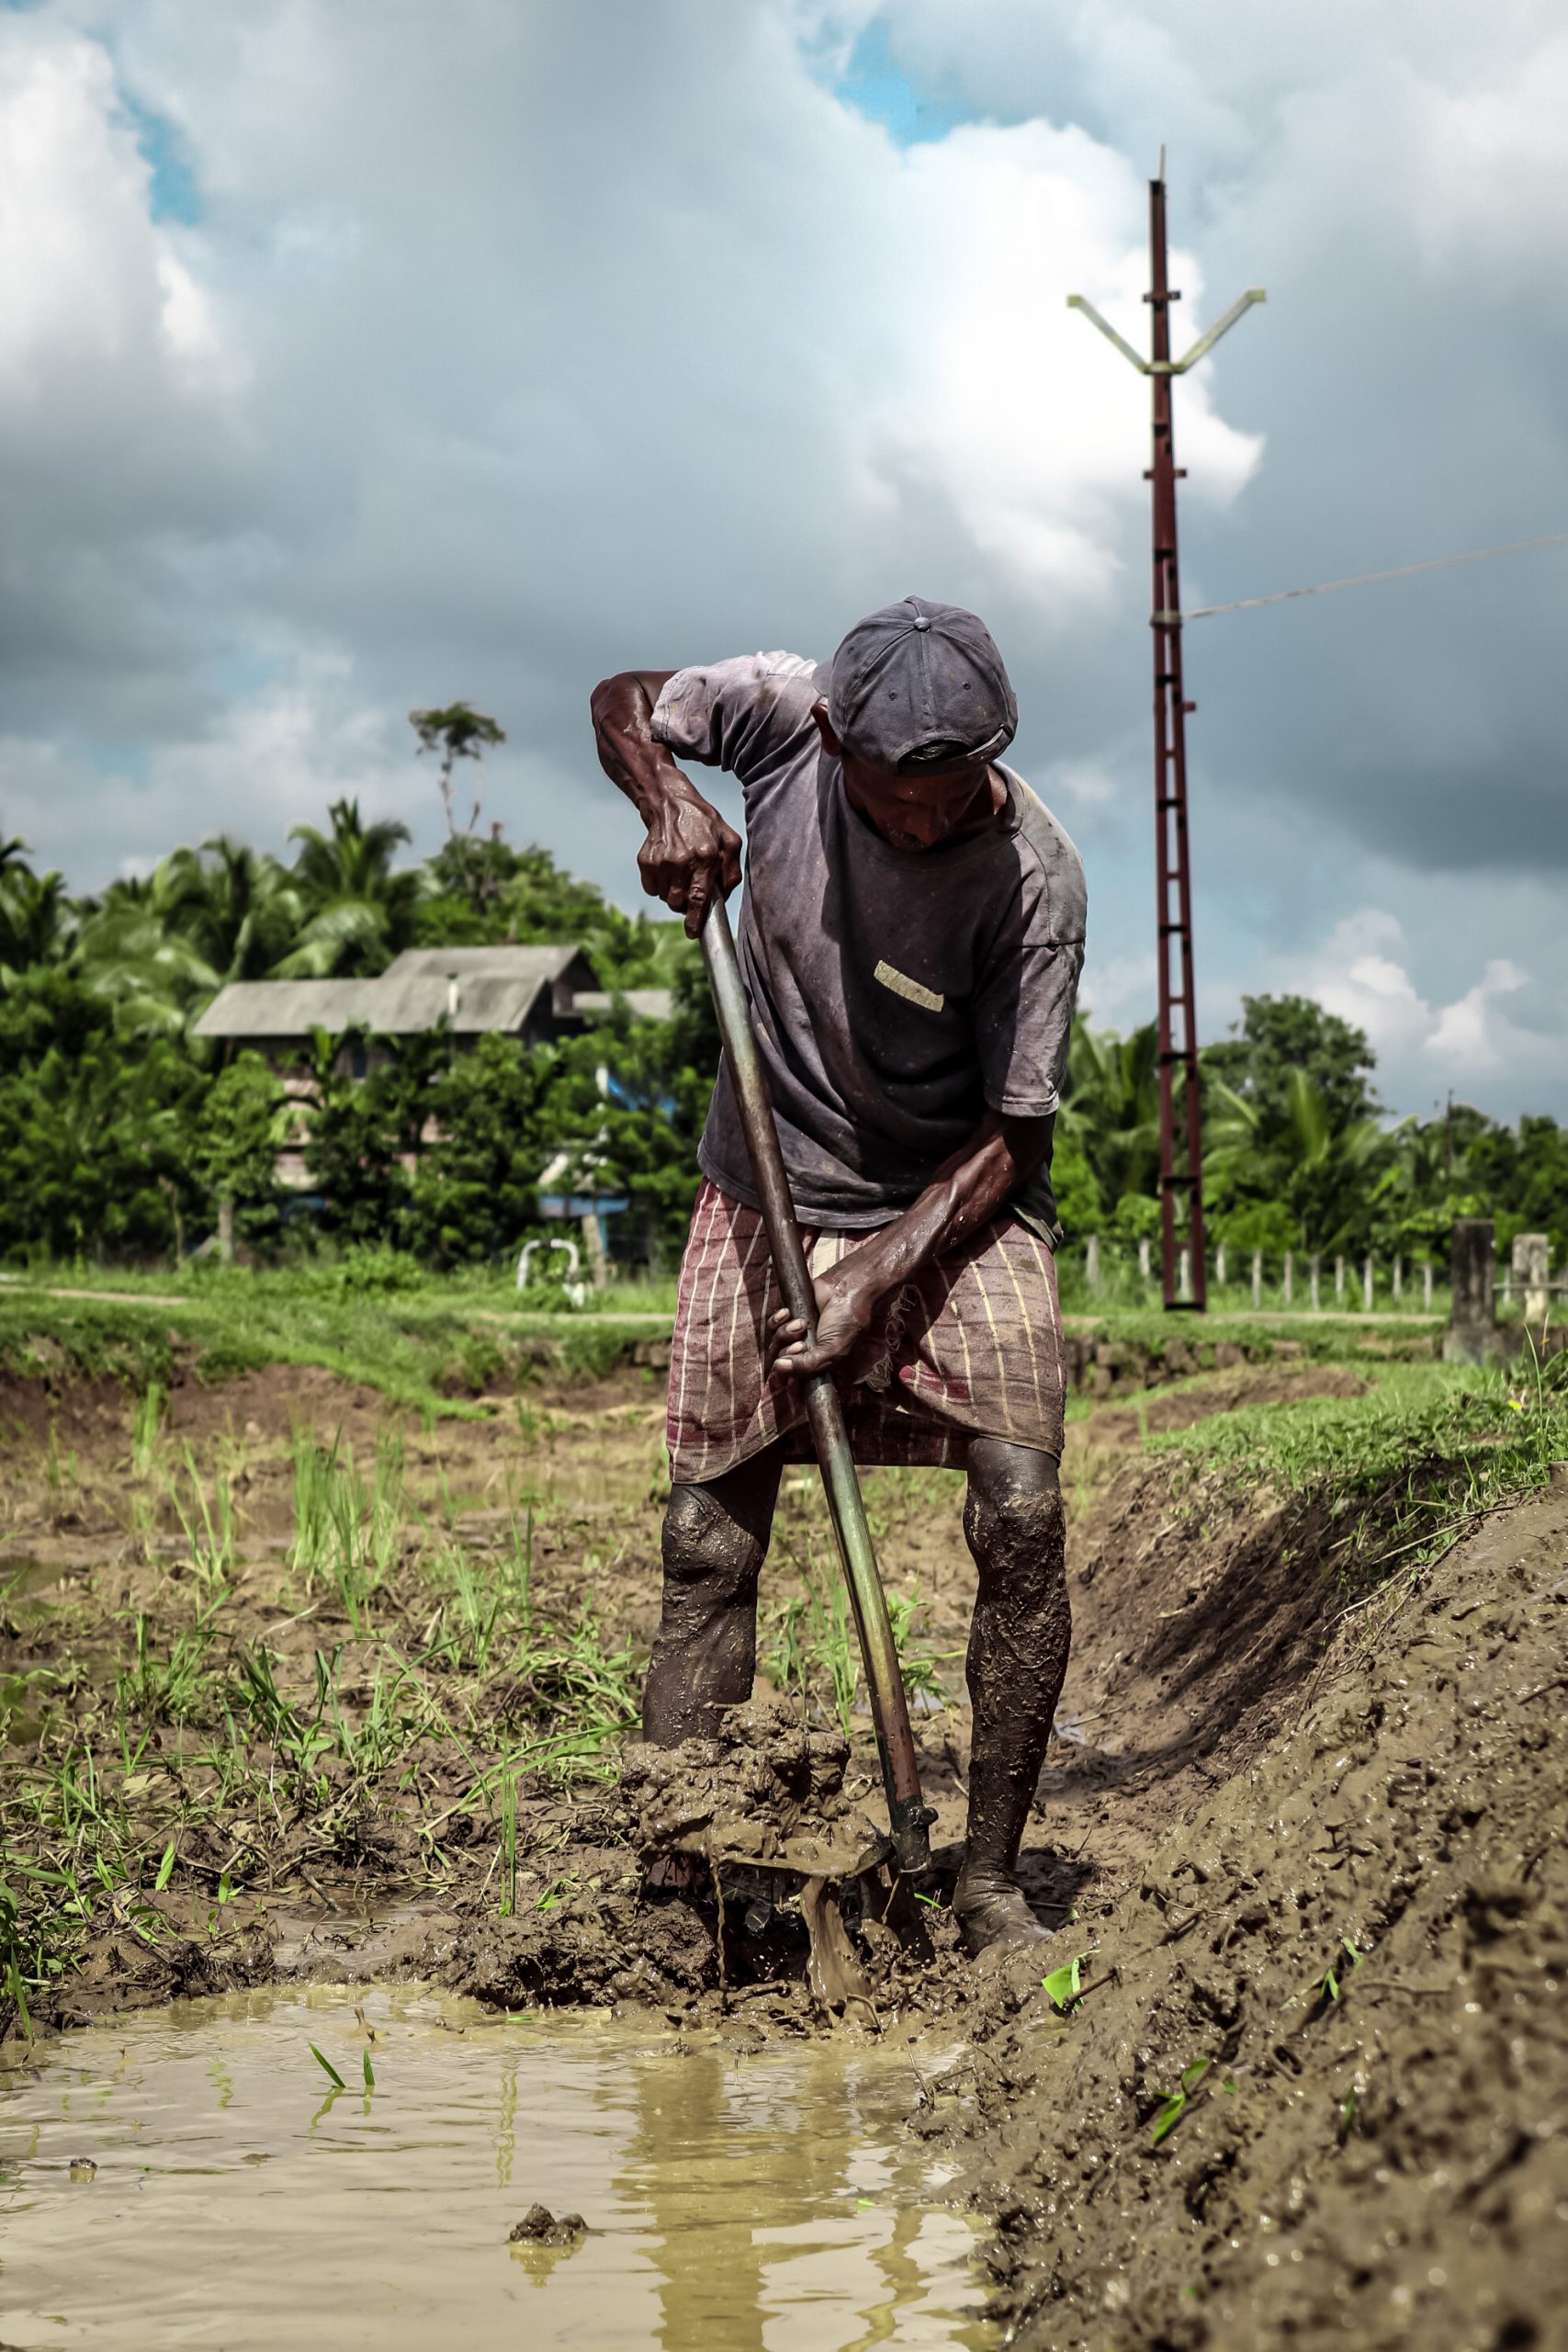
(1298, 1152)
(120, 1131)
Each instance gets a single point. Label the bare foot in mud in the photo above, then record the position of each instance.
(993, 1915)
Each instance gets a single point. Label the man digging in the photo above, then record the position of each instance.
(911, 937)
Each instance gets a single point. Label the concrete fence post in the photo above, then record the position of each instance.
(1145, 1273)
(1091, 1262)
(1289, 1276)
(226, 1232)
(1472, 1334)
(1219, 1267)
(1184, 1275)
(1427, 1287)
(1398, 1278)
(1366, 1283)
(1313, 1265)
(1338, 1281)
(593, 1249)
(1532, 1263)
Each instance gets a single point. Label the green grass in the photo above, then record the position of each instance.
(1403, 1468)
(206, 1743)
(434, 1348)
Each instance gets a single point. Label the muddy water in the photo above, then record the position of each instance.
(737, 2201)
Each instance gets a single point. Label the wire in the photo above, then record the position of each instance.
(1364, 579)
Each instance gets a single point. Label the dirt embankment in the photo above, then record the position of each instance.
(1316, 2091)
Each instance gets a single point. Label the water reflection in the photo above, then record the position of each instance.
(736, 2203)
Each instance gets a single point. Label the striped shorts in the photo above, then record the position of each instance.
(971, 1348)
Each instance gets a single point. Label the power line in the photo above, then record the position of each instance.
(1365, 579)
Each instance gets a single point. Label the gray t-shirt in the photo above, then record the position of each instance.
(894, 994)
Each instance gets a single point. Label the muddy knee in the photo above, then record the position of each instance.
(705, 1650)
(709, 1556)
(1013, 1519)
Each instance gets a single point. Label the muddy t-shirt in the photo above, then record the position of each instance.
(894, 994)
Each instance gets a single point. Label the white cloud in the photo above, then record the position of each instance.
(519, 343)
(1470, 1043)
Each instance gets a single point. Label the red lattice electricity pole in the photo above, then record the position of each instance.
(1180, 1160)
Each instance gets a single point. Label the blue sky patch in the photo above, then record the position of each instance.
(878, 88)
(173, 191)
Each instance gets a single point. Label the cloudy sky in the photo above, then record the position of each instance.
(356, 354)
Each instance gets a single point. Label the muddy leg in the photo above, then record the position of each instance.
(716, 1538)
(1018, 1655)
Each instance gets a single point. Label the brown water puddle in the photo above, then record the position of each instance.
(760, 2201)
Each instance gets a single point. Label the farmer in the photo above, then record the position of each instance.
(911, 937)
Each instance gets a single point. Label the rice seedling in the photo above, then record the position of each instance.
(172, 1689)
(208, 1528)
(315, 1475)
(146, 1427)
(813, 1649)
(1174, 2106)
(328, 2069)
(509, 1843)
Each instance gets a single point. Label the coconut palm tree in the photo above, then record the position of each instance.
(1328, 1171)
(1111, 1108)
(38, 921)
(358, 912)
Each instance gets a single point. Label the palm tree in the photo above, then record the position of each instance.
(1111, 1108)
(161, 946)
(358, 912)
(1328, 1171)
(37, 920)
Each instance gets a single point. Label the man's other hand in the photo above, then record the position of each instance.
(690, 854)
(846, 1301)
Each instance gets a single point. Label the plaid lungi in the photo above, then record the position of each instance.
(971, 1348)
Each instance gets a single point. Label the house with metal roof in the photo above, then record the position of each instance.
(536, 994)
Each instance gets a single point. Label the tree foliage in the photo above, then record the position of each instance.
(118, 1129)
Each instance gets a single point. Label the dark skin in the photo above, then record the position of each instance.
(715, 1535)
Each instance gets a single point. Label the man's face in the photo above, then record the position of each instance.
(915, 810)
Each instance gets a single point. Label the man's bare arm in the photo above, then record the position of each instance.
(964, 1193)
(689, 852)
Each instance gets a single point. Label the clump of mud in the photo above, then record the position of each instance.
(761, 1781)
(539, 2226)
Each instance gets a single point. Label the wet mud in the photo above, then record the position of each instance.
(1302, 1839)
(193, 2176)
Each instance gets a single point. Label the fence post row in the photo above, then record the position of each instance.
(1477, 1290)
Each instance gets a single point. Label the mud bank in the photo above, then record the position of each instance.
(1314, 2089)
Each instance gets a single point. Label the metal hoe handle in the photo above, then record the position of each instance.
(909, 1815)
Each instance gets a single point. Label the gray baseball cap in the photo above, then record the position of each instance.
(920, 685)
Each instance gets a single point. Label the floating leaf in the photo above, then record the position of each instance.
(327, 2068)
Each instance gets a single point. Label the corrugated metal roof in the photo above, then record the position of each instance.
(496, 990)
(391, 1007)
(500, 960)
(648, 1004)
